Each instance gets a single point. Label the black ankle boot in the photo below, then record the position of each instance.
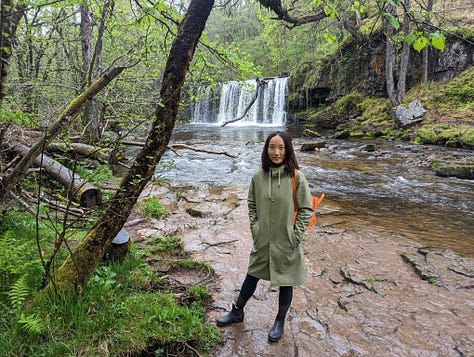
(277, 329)
(235, 315)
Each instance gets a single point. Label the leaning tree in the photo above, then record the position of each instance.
(83, 260)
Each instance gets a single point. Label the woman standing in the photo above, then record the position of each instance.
(277, 254)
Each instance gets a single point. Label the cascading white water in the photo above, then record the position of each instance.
(232, 98)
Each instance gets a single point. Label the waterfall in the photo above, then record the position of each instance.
(230, 100)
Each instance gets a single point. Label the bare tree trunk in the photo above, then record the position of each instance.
(405, 56)
(65, 119)
(86, 45)
(82, 262)
(389, 60)
(92, 64)
(10, 16)
(426, 50)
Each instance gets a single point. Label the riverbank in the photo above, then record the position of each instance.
(366, 294)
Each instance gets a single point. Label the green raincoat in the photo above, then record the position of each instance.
(277, 254)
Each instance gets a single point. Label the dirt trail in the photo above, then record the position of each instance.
(365, 295)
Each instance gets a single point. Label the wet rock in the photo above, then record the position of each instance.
(413, 114)
(310, 146)
(308, 133)
(368, 148)
(445, 269)
(454, 168)
(342, 134)
(361, 298)
(196, 213)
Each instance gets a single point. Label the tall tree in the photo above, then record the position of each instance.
(426, 50)
(81, 263)
(92, 64)
(10, 15)
(396, 93)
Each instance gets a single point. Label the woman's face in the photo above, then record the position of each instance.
(276, 150)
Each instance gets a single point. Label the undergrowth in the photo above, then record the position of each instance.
(123, 309)
(448, 120)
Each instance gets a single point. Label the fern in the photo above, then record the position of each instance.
(18, 293)
(31, 324)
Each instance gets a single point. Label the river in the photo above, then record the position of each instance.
(390, 192)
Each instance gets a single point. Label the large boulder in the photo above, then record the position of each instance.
(407, 116)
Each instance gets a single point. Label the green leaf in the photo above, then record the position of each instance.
(392, 20)
(410, 38)
(438, 40)
(393, 3)
(420, 43)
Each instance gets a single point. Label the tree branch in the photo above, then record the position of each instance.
(259, 84)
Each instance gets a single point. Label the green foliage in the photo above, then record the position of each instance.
(191, 263)
(32, 325)
(450, 106)
(166, 322)
(169, 244)
(17, 117)
(18, 293)
(151, 208)
(198, 292)
(133, 273)
(446, 135)
(117, 314)
(96, 175)
(19, 256)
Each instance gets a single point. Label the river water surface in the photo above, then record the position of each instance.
(390, 191)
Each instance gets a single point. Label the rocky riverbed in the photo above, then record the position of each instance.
(366, 294)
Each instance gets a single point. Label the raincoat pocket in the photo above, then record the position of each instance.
(254, 228)
(294, 240)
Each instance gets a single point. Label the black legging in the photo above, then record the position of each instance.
(250, 284)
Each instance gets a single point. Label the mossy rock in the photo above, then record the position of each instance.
(342, 134)
(310, 146)
(461, 136)
(308, 133)
(448, 168)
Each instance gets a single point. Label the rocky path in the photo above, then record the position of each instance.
(366, 295)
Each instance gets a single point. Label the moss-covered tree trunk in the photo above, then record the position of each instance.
(10, 16)
(80, 265)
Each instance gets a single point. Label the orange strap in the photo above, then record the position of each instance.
(314, 200)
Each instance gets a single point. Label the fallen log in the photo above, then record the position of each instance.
(84, 192)
(67, 116)
(79, 149)
(175, 147)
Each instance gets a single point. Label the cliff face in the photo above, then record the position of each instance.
(360, 66)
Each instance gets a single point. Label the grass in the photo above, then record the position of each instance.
(124, 309)
(151, 208)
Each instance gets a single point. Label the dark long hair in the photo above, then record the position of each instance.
(290, 158)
